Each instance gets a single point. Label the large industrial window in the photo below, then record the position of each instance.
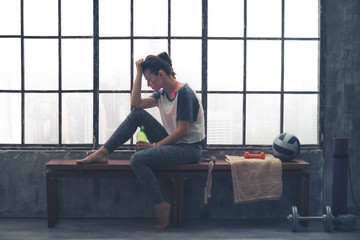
(67, 67)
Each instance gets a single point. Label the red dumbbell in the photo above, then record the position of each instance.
(249, 155)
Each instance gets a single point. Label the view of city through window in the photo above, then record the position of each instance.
(67, 66)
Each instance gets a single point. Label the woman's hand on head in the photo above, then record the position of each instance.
(138, 65)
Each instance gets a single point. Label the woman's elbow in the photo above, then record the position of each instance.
(185, 131)
(134, 105)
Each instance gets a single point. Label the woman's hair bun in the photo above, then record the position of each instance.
(165, 56)
(161, 61)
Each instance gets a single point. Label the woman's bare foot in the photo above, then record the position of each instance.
(163, 212)
(101, 156)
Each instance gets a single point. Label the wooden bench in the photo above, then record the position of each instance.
(59, 168)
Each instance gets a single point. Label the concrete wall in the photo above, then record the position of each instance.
(342, 87)
(22, 178)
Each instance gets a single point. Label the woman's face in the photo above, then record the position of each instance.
(153, 80)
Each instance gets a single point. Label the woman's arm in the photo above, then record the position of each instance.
(181, 131)
(136, 101)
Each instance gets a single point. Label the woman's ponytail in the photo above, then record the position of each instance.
(165, 56)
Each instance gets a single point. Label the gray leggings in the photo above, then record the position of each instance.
(143, 161)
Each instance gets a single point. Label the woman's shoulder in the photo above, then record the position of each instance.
(186, 93)
(158, 94)
(186, 90)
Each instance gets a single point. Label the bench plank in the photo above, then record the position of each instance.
(61, 164)
(297, 164)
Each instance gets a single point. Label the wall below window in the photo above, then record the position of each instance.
(23, 192)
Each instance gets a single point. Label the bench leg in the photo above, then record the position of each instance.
(302, 196)
(52, 203)
(181, 202)
(299, 195)
(306, 194)
(175, 201)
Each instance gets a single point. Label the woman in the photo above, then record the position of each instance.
(177, 141)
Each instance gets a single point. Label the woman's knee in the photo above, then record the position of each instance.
(136, 161)
(138, 116)
(133, 162)
(136, 113)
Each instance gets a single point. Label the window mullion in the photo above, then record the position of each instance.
(131, 51)
(60, 73)
(96, 75)
(282, 66)
(204, 62)
(244, 77)
(169, 27)
(22, 74)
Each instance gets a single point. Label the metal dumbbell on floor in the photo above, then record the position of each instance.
(327, 219)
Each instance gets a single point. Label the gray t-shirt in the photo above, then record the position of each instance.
(185, 106)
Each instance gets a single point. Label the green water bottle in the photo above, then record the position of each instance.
(141, 137)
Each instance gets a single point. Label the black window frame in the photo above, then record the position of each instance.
(204, 88)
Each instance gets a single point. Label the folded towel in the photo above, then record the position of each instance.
(255, 179)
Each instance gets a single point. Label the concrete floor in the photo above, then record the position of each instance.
(71, 229)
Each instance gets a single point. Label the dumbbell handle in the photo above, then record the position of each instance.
(309, 218)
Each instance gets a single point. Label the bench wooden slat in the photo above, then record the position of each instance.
(60, 164)
(223, 165)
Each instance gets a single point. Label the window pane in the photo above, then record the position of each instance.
(225, 65)
(189, 25)
(143, 48)
(77, 118)
(301, 18)
(114, 18)
(225, 18)
(10, 126)
(151, 17)
(41, 64)
(76, 17)
(113, 108)
(301, 117)
(301, 65)
(41, 17)
(10, 17)
(224, 122)
(262, 118)
(41, 118)
(264, 18)
(10, 64)
(186, 56)
(114, 64)
(77, 64)
(263, 66)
